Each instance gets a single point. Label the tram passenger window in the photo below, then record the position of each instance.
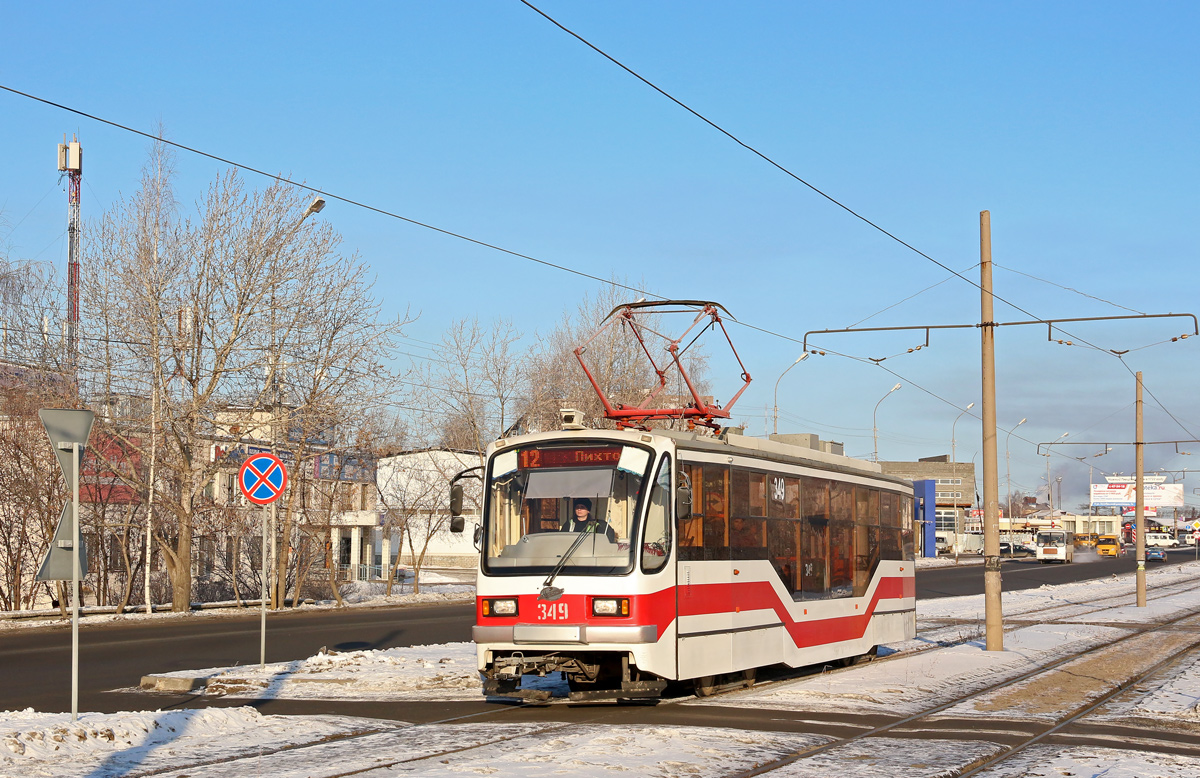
(866, 537)
(841, 539)
(781, 550)
(716, 502)
(691, 528)
(841, 559)
(890, 541)
(747, 538)
(907, 534)
(656, 547)
(814, 539)
(758, 494)
(739, 492)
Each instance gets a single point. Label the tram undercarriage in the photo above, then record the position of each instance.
(590, 675)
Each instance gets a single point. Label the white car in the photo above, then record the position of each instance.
(1161, 539)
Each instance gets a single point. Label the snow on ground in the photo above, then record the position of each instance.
(919, 673)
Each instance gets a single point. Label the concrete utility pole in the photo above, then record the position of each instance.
(1140, 501)
(993, 614)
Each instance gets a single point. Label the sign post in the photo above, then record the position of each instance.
(68, 430)
(262, 480)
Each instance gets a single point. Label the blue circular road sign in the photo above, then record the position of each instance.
(262, 478)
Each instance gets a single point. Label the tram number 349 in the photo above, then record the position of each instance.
(552, 611)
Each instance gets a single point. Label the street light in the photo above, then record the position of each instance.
(1008, 478)
(874, 426)
(800, 359)
(954, 476)
(1091, 507)
(1049, 484)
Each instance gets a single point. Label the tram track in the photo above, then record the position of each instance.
(1014, 735)
(1025, 731)
(1052, 612)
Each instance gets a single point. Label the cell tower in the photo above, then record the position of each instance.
(70, 161)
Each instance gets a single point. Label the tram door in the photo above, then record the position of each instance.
(752, 593)
(704, 573)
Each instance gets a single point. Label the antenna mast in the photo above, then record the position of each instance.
(70, 161)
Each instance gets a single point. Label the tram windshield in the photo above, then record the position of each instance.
(542, 498)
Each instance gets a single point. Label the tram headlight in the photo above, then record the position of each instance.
(499, 607)
(610, 606)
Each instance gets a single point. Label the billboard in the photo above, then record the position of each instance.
(1121, 495)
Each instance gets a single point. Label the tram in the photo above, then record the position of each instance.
(633, 557)
(701, 560)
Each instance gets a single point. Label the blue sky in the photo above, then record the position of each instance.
(1074, 124)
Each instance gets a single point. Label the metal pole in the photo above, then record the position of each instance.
(802, 357)
(262, 651)
(993, 614)
(75, 564)
(1140, 506)
(874, 426)
(150, 498)
(1008, 478)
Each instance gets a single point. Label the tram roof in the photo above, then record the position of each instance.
(767, 450)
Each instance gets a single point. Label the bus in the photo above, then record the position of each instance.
(1055, 545)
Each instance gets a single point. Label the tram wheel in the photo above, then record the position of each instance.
(706, 686)
(749, 677)
(850, 661)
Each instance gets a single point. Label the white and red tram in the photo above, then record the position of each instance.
(726, 554)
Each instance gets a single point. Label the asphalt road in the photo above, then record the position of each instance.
(36, 661)
(1028, 573)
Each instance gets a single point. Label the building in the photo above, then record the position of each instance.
(414, 493)
(955, 491)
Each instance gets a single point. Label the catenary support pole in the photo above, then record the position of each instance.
(1139, 447)
(991, 493)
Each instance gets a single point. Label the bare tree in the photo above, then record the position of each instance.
(213, 314)
(32, 491)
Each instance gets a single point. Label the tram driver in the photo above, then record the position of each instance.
(582, 521)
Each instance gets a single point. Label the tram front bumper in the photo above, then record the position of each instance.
(562, 634)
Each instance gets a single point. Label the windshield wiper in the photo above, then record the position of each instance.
(553, 592)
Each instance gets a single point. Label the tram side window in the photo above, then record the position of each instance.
(747, 528)
(814, 539)
(691, 528)
(716, 512)
(841, 539)
(907, 534)
(890, 542)
(866, 537)
(783, 530)
(657, 544)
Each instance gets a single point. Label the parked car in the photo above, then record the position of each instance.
(1156, 552)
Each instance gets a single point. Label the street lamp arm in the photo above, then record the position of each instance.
(799, 359)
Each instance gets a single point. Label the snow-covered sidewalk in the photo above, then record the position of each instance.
(919, 673)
